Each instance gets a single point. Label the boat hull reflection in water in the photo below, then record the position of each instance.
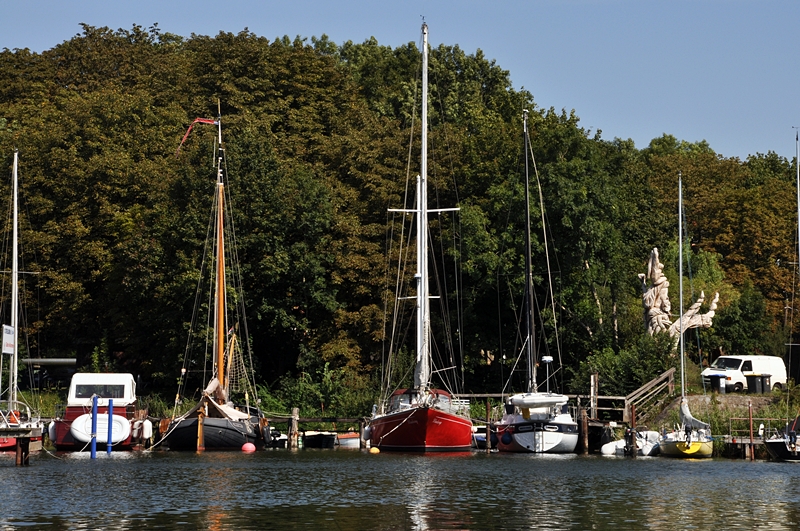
(358, 490)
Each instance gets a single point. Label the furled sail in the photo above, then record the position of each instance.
(688, 420)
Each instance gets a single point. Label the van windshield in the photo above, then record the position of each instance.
(726, 363)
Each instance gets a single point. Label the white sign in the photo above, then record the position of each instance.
(8, 339)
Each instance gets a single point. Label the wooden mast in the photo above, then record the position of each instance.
(219, 332)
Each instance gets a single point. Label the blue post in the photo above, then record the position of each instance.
(110, 425)
(93, 445)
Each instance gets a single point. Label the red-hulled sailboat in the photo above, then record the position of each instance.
(422, 419)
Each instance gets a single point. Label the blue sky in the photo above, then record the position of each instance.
(725, 71)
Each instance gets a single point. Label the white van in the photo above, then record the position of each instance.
(737, 368)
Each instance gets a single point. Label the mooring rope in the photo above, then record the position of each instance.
(411, 413)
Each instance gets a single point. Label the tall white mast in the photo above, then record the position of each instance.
(422, 369)
(529, 322)
(12, 378)
(680, 278)
(797, 166)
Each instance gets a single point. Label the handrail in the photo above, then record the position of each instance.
(768, 429)
(668, 374)
(648, 392)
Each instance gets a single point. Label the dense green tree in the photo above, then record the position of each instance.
(321, 141)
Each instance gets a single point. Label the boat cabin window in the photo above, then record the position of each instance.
(102, 391)
(444, 400)
(399, 402)
(727, 363)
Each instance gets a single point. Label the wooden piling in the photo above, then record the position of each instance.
(488, 427)
(201, 441)
(634, 448)
(23, 451)
(584, 428)
(750, 416)
(293, 435)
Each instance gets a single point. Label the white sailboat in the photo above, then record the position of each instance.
(422, 418)
(782, 444)
(693, 437)
(535, 421)
(13, 416)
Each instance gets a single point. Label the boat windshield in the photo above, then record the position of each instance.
(443, 402)
(726, 363)
(400, 402)
(102, 391)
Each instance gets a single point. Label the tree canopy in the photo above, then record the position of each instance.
(321, 139)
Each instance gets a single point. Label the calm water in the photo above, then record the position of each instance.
(354, 490)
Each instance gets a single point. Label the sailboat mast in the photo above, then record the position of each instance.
(12, 378)
(422, 371)
(680, 279)
(220, 287)
(797, 167)
(529, 323)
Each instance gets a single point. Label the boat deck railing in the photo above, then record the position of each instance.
(741, 428)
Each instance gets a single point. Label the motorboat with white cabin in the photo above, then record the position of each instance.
(115, 392)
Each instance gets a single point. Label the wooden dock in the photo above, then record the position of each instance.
(293, 425)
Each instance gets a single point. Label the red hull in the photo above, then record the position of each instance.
(421, 429)
(65, 442)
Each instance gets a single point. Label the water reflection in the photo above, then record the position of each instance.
(330, 489)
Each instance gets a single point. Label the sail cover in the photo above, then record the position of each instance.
(688, 420)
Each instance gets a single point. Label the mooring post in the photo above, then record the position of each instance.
(93, 444)
(201, 438)
(750, 415)
(19, 459)
(110, 426)
(488, 427)
(23, 451)
(584, 431)
(293, 427)
(634, 447)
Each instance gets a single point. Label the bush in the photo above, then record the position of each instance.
(627, 370)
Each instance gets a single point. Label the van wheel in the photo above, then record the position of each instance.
(738, 388)
(777, 387)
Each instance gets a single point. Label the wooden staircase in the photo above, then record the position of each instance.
(646, 402)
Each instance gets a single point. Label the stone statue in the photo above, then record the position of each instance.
(655, 299)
